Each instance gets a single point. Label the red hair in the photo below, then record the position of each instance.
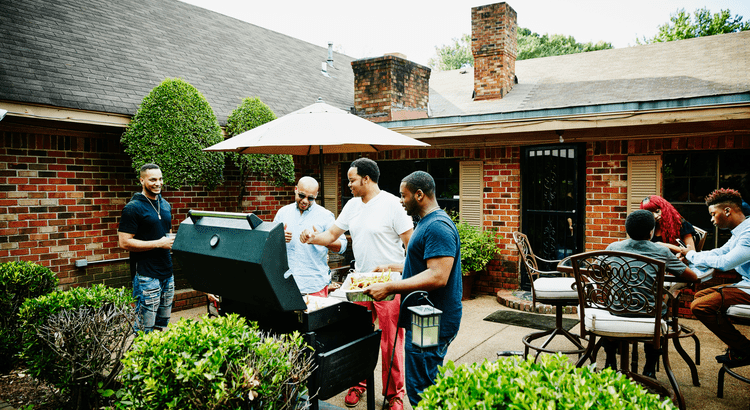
(671, 220)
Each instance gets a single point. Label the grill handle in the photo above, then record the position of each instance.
(252, 219)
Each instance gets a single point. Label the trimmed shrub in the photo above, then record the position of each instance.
(74, 340)
(279, 168)
(18, 281)
(171, 127)
(214, 363)
(551, 383)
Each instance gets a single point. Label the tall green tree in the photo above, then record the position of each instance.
(530, 45)
(251, 113)
(681, 26)
(171, 127)
(452, 56)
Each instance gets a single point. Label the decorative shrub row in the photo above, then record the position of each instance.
(214, 363)
(551, 383)
(74, 339)
(18, 281)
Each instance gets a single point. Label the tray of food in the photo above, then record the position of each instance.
(356, 282)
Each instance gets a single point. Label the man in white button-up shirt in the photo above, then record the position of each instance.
(308, 265)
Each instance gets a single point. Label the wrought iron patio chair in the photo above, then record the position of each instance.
(549, 287)
(621, 297)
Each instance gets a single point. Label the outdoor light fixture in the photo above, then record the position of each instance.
(425, 325)
(424, 320)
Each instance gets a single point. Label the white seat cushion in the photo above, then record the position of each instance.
(555, 288)
(602, 322)
(739, 311)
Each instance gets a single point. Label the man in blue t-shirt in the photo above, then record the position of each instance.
(433, 264)
(146, 220)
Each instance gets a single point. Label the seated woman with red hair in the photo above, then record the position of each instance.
(670, 226)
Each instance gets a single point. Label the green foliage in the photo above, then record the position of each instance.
(703, 23)
(215, 363)
(171, 127)
(478, 247)
(280, 168)
(18, 281)
(67, 339)
(530, 45)
(453, 56)
(552, 383)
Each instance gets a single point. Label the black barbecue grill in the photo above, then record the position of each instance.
(243, 259)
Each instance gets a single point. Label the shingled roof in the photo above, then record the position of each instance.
(701, 67)
(105, 56)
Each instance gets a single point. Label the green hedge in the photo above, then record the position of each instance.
(42, 360)
(213, 363)
(551, 383)
(18, 281)
(171, 127)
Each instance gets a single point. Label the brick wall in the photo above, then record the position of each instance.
(390, 88)
(62, 193)
(494, 45)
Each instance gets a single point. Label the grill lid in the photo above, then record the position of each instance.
(239, 257)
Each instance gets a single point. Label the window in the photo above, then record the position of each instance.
(444, 171)
(689, 177)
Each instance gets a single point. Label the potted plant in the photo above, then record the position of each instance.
(478, 248)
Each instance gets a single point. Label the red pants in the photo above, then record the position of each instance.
(707, 307)
(323, 293)
(387, 315)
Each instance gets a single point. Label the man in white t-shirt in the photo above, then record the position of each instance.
(380, 230)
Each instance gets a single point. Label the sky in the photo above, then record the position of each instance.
(415, 27)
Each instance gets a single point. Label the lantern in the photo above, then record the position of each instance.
(425, 325)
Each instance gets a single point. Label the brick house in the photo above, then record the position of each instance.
(73, 74)
(560, 148)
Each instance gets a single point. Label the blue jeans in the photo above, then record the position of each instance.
(422, 366)
(154, 299)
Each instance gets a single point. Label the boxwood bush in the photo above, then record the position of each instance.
(171, 127)
(74, 340)
(219, 363)
(551, 383)
(18, 281)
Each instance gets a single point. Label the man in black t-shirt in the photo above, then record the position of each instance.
(144, 225)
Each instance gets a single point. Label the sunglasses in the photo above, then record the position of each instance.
(303, 196)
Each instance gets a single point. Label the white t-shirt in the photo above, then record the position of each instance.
(375, 228)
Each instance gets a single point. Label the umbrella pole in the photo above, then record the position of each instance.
(320, 165)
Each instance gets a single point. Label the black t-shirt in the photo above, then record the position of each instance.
(140, 218)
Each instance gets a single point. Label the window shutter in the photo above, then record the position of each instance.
(331, 188)
(471, 192)
(644, 179)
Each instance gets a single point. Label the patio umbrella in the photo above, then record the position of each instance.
(316, 129)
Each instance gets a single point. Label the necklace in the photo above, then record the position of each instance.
(157, 210)
(432, 210)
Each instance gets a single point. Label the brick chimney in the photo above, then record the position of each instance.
(390, 88)
(494, 45)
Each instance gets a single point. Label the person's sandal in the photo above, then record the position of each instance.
(353, 397)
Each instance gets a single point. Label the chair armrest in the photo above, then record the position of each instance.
(555, 261)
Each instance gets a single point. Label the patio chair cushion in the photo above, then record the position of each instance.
(742, 311)
(555, 288)
(603, 323)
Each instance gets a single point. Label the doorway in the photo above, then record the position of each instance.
(553, 202)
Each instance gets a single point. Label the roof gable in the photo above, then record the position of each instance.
(700, 67)
(107, 55)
